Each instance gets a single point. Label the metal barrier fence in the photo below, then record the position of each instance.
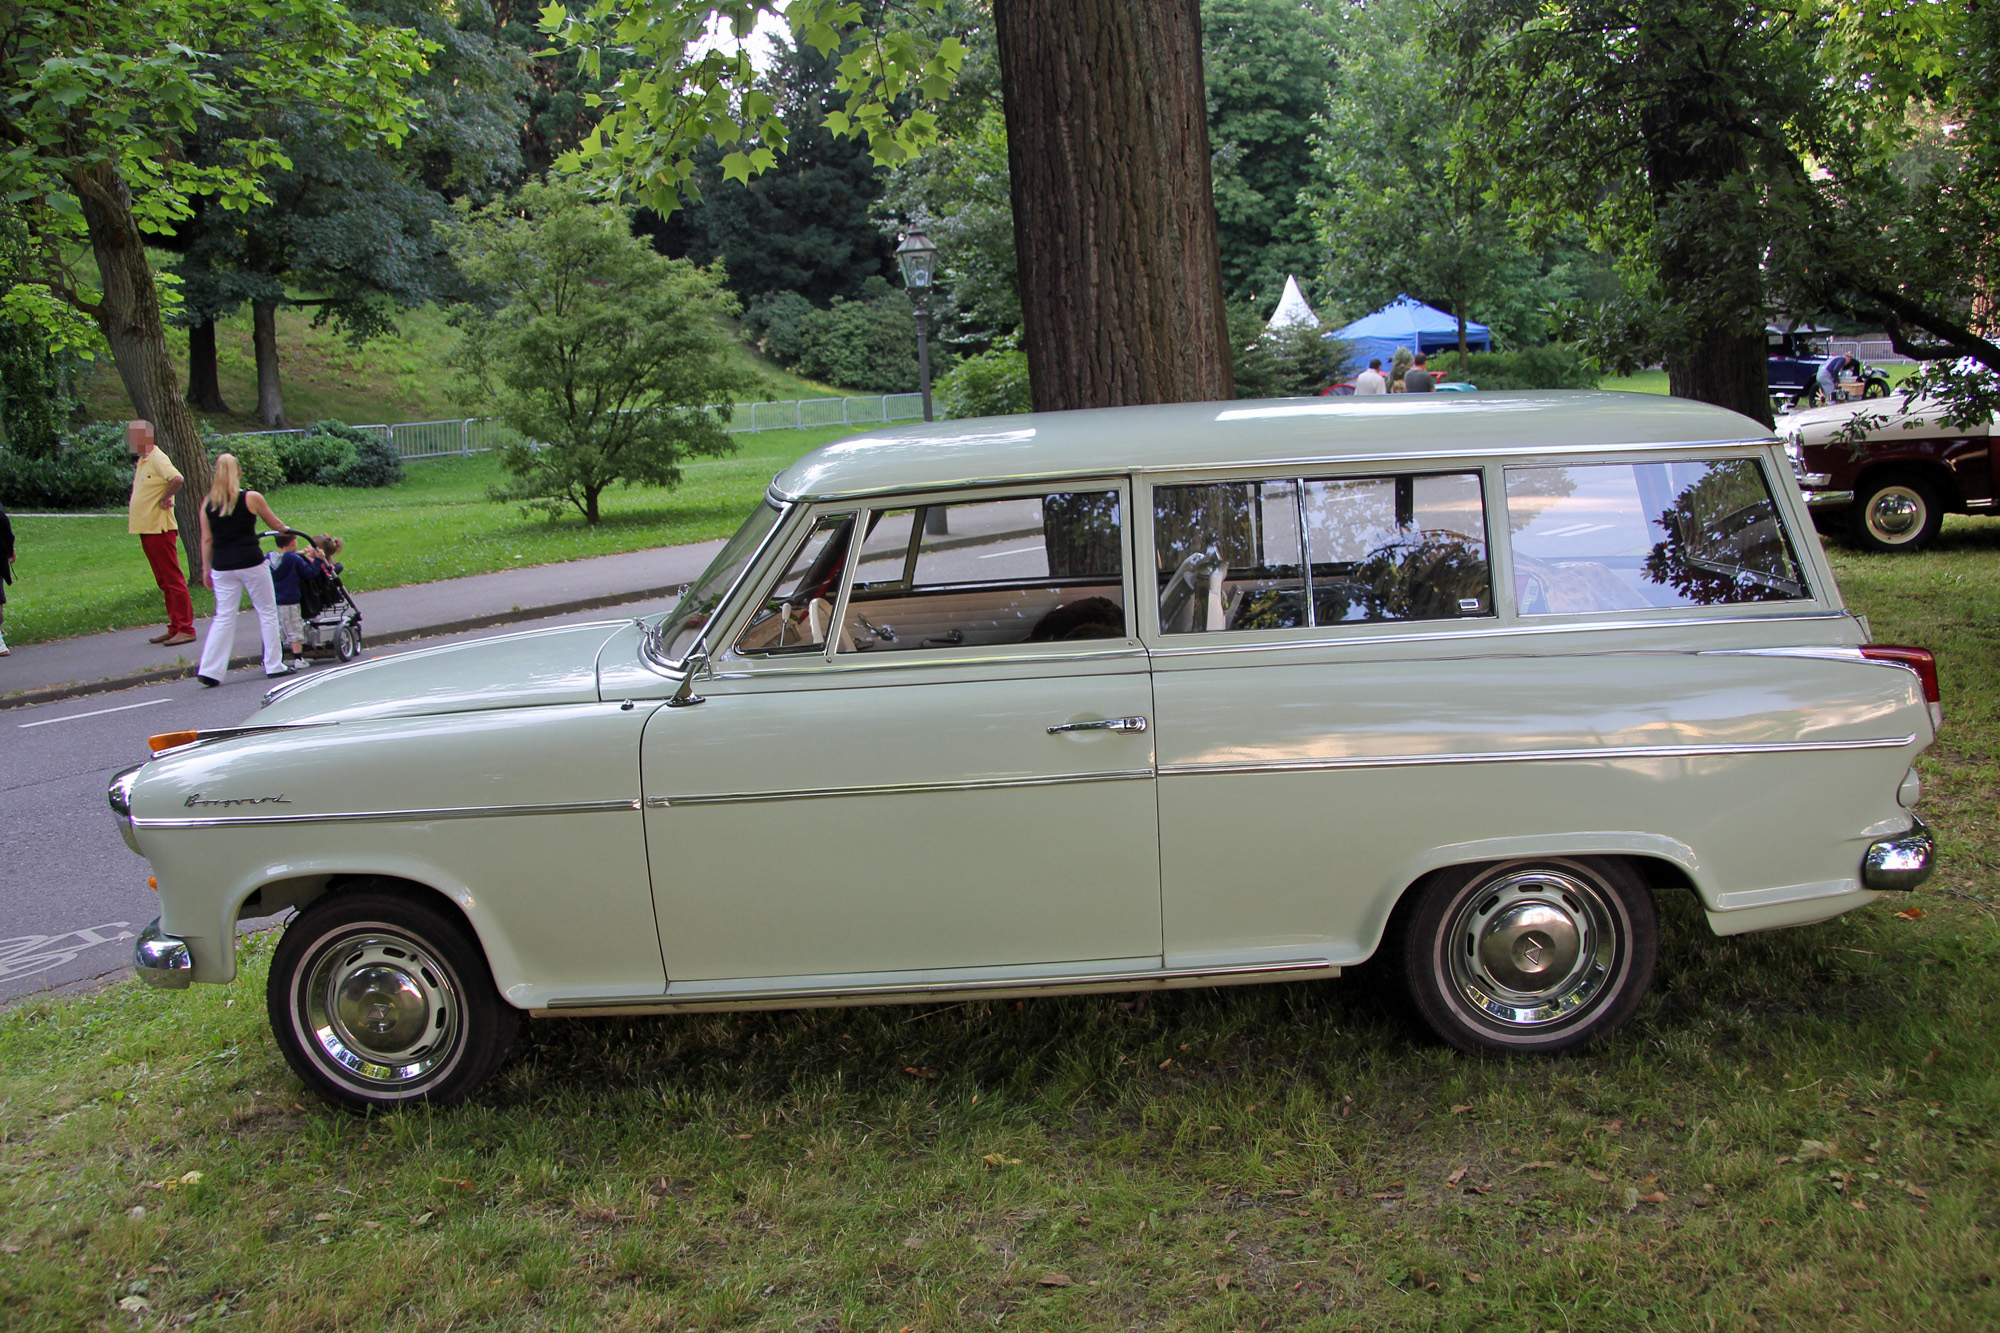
(475, 435)
(1868, 349)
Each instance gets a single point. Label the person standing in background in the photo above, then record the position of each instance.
(155, 482)
(1371, 380)
(6, 574)
(1418, 378)
(1399, 365)
(233, 564)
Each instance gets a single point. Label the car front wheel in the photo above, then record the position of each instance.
(1534, 957)
(378, 1000)
(1896, 513)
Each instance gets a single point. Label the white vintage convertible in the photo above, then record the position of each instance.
(1093, 701)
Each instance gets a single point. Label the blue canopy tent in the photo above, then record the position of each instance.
(1407, 322)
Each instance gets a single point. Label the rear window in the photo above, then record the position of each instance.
(1637, 536)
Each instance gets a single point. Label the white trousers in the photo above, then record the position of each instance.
(230, 585)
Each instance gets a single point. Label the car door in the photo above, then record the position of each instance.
(930, 767)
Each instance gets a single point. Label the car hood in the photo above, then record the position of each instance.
(543, 666)
(1898, 420)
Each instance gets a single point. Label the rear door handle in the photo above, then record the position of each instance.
(1127, 724)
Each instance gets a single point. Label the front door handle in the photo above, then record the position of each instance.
(1133, 725)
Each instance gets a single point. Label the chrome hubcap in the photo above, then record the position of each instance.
(1895, 514)
(1531, 948)
(381, 1007)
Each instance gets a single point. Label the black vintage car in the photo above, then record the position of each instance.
(1793, 358)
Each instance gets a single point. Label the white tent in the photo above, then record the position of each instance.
(1292, 309)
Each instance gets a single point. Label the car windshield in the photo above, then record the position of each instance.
(674, 634)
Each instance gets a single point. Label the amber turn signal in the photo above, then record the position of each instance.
(153, 883)
(167, 740)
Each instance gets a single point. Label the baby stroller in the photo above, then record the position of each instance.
(332, 620)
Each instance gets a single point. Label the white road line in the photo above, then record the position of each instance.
(96, 712)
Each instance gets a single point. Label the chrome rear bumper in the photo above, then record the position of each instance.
(1902, 862)
(161, 959)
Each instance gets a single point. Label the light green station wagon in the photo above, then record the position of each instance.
(1091, 701)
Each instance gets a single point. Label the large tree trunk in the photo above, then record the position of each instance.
(1710, 269)
(264, 338)
(129, 317)
(1114, 224)
(204, 389)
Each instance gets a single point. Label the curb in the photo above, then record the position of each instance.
(514, 615)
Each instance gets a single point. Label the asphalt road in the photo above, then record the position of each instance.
(72, 894)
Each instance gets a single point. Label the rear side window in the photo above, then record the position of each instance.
(1299, 552)
(1636, 536)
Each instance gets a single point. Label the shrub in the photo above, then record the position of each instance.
(372, 462)
(775, 323)
(991, 384)
(305, 457)
(868, 344)
(89, 470)
(258, 456)
(1551, 366)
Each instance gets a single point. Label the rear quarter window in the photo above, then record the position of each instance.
(1640, 536)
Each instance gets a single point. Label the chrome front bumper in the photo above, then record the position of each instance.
(1828, 499)
(1902, 862)
(161, 959)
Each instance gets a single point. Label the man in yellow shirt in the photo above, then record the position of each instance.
(151, 516)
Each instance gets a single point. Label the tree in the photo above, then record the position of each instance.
(102, 96)
(1395, 214)
(1269, 65)
(356, 226)
(608, 358)
(1114, 222)
(1670, 129)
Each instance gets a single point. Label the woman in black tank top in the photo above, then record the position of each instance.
(232, 565)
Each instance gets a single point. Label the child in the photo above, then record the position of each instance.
(287, 567)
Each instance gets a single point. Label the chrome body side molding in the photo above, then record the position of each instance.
(395, 816)
(895, 789)
(1591, 755)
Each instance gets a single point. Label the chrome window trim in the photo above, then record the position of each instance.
(1601, 754)
(1481, 627)
(391, 816)
(859, 662)
(648, 647)
(896, 788)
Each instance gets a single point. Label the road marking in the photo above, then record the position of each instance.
(35, 953)
(95, 712)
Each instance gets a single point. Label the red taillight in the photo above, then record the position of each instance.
(1918, 660)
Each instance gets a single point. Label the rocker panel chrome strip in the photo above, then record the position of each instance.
(390, 816)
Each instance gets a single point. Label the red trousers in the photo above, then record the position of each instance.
(163, 551)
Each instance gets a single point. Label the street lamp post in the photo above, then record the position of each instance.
(919, 257)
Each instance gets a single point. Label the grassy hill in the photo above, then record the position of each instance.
(405, 377)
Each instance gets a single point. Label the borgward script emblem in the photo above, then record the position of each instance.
(199, 799)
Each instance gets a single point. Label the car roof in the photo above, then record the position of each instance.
(1181, 436)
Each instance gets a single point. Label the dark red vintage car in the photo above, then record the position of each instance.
(1893, 487)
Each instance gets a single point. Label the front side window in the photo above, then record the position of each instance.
(1027, 569)
(1640, 536)
(1291, 553)
(676, 633)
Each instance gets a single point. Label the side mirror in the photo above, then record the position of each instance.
(695, 664)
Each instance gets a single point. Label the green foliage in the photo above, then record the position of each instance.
(961, 189)
(607, 356)
(1268, 65)
(37, 373)
(305, 457)
(1550, 366)
(664, 105)
(88, 470)
(370, 462)
(869, 344)
(1292, 361)
(991, 384)
(263, 468)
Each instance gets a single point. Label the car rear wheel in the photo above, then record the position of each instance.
(1534, 957)
(378, 1000)
(1895, 513)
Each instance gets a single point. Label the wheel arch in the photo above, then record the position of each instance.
(1931, 471)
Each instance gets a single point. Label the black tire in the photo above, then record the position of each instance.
(349, 643)
(380, 1000)
(1895, 511)
(1875, 387)
(1530, 957)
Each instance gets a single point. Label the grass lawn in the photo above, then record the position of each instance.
(83, 575)
(1797, 1131)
